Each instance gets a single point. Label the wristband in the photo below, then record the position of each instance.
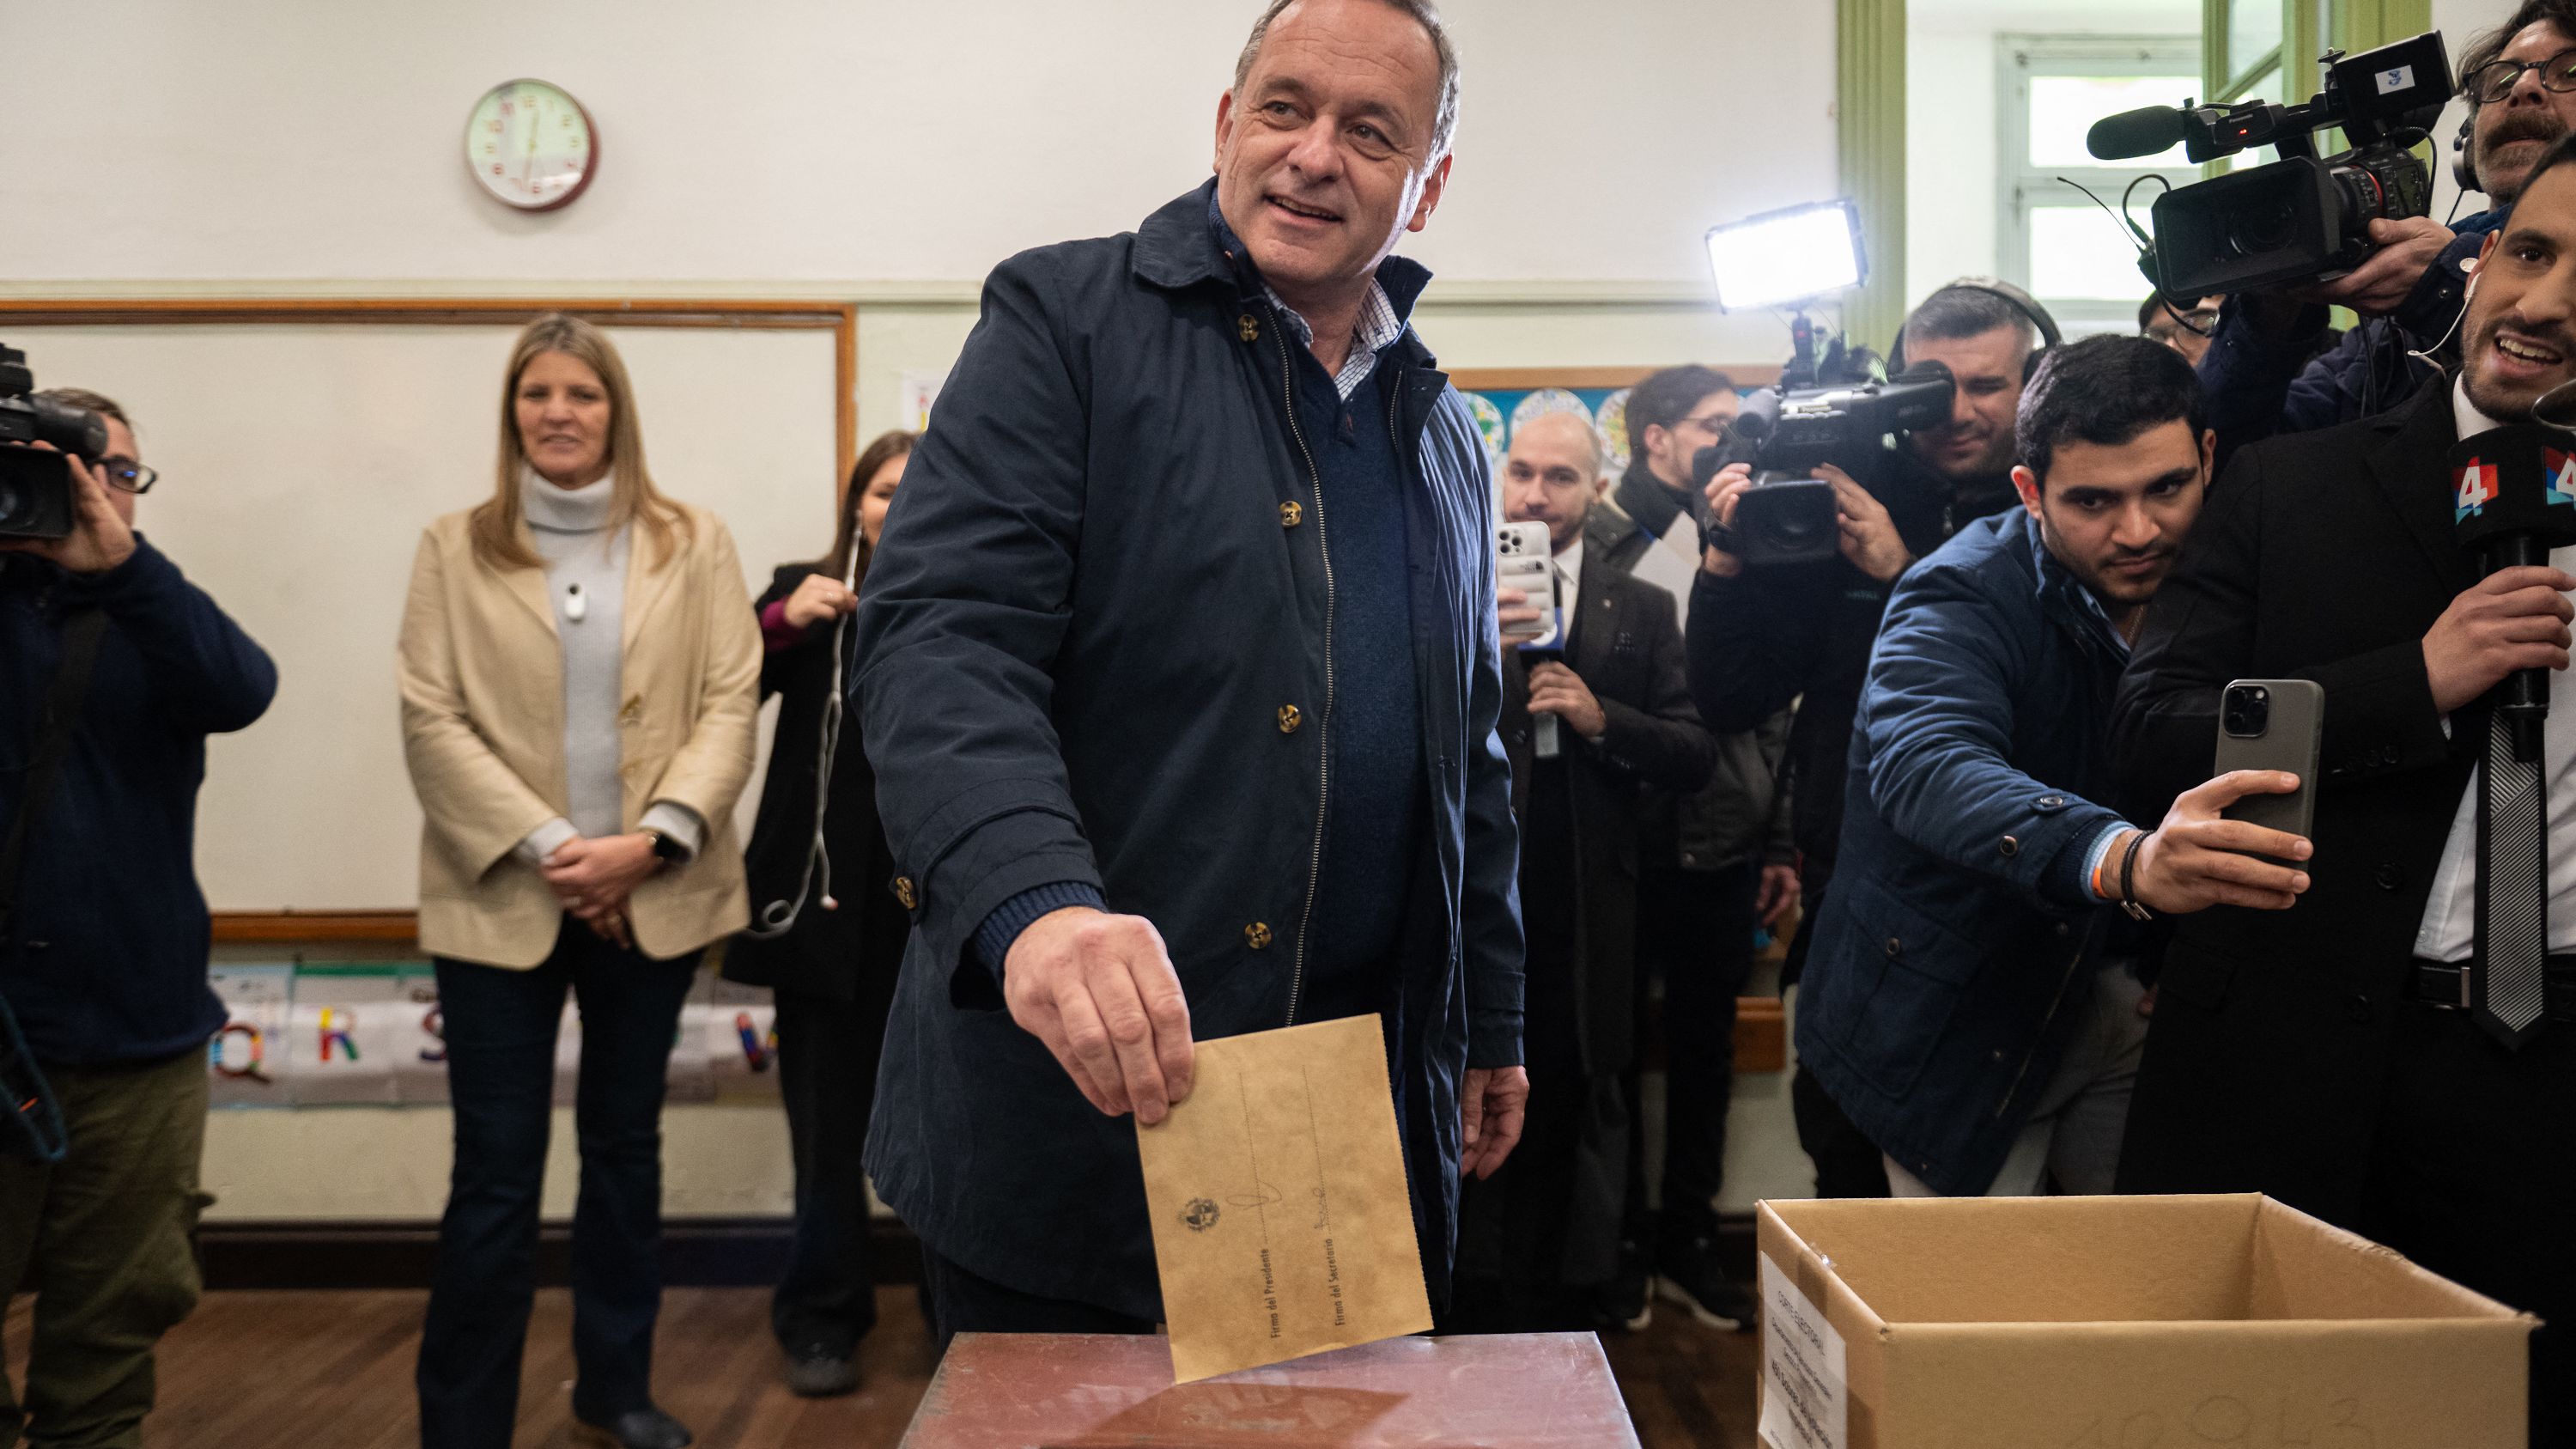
(2129, 881)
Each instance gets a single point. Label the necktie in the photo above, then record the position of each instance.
(2508, 975)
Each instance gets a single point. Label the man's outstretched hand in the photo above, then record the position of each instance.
(1493, 1101)
(1099, 990)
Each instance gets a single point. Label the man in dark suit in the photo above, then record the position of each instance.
(2320, 1054)
(1539, 1241)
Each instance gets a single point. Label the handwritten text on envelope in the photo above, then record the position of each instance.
(1281, 1224)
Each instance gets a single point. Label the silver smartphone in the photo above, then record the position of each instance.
(1523, 560)
(2273, 724)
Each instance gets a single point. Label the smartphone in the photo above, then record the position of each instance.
(2273, 724)
(1524, 561)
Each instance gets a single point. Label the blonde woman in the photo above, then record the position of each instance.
(580, 673)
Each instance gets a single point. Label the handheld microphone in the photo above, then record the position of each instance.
(2513, 492)
(2142, 132)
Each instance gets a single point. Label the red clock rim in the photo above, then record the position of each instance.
(588, 172)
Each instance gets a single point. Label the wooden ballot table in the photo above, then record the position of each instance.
(1093, 1391)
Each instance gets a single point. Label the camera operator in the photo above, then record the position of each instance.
(1760, 638)
(103, 957)
(2186, 330)
(2263, 370)
(2325, 1055)
(1539, 1241)
(1971, 1000)
(1713, 864)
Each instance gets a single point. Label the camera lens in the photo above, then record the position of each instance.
(2262, 228)
(10, 502)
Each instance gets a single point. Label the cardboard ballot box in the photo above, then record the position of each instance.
(2119, 1323)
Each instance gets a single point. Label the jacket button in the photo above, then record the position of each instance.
(1291, 513)
(2388, 877)
(2010, 847)
(1289, 718)
(2064, 930)
(1690, 858)
(2051, 802)
(1248, 327)
(904, 893)
(2388, 755)
(1256, 935)
(1895, 946)
(2359, 1010)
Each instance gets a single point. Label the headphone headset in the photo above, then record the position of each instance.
(2464, 153)
(2022, 302)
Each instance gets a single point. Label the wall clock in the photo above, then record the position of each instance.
(531, 145)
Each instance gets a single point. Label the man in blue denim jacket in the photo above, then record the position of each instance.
(1966, 1001)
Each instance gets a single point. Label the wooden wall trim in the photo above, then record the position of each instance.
(235, 927)
(1514, 379)
(752, 313)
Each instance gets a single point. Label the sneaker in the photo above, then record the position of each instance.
(1692, 1278)
(817, 1372)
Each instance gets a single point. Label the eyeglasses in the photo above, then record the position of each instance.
(1713, 424)
(2495, 80)
(128, 475)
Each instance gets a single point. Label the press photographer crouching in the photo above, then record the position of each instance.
(1971, 999)
(2263, 371)
(2398, 1053)
(113, 670)
(1763, 636)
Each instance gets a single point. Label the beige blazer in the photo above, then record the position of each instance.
(481, 675)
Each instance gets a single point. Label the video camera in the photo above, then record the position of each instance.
(2299, 219)
(36, 499)
(1784, 433)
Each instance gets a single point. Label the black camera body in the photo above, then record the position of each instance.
(36, 498)
(1788, 515)
(2301, 219)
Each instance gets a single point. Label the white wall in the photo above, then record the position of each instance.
(812, 141)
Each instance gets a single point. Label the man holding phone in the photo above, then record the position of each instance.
(1539, 1242)
(2323, 1056)
(1971, 1001)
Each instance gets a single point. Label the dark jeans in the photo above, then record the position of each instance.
(2470, 1177)
(103, 1238)
(960, 1302)
(827, 1072)
(1847, 1163)
(500, 1032)
(1695, 932)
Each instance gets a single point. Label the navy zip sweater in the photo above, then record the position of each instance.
(107, 964)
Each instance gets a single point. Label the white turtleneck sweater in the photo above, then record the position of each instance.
(585, 561)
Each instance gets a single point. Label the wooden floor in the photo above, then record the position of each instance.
(273, 1370)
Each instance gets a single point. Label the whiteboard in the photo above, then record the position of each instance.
(299, 463)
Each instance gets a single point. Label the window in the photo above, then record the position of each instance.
(2054, 241)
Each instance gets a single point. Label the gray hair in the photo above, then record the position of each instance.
(1444, 126)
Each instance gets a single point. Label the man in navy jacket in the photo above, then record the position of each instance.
(1179, 669)
(104, 960)
(1965, 1003)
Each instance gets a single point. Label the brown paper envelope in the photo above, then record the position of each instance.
(1281, 1223)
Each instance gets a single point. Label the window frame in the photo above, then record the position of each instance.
(2020, 187)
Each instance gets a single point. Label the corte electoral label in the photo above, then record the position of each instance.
(1803, 1398)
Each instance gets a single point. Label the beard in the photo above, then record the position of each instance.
(2517, 128)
